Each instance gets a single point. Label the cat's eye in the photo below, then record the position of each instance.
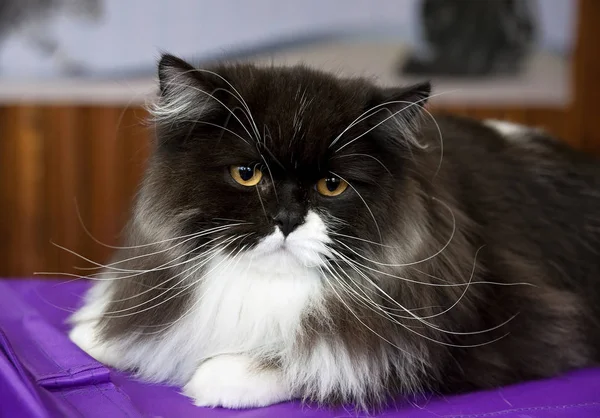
(246, 175)
(331, 186)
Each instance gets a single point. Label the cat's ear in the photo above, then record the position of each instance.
(173, 71)
(185, 92)
(400, 110)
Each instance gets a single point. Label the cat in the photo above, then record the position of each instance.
(470, 38)
(299, 235)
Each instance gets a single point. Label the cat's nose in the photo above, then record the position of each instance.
(287, 221)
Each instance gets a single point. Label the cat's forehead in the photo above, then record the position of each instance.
(298, 111)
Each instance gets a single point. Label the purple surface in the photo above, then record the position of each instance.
(42, 374)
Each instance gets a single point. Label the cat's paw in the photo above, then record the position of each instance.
(232, 381)
(85, 335)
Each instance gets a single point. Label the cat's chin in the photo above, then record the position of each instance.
(285, 258)
(305, 247)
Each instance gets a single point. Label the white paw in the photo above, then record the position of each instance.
(231, 381)
(85, 336)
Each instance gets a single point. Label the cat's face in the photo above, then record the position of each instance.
(283, 163)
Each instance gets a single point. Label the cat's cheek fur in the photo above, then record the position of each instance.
(236, 381)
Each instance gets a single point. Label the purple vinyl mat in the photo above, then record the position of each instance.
(43, 374)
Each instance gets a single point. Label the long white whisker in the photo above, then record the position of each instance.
(437, 328)
(231, 260)
(109, 267)
(177, 285)
(391, 116)
(357, 317)
(342, 257)
(261, 203)
(371, 301)
(217, 126)
(411, 104)
(203, 263)
(271, 176)
(362, 239)
(425, 259)
(164, 266)
(126, 260)
(230, 220)
(251, 121)
(365, 202)
(194, 268)
(422, 318)
(372, 305)
(365, 300)
(364, 155)
(212, 97)
(114, 247)
(366, 114)
(239, 96)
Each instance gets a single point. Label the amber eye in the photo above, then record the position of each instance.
(331, 186)
(245, 175)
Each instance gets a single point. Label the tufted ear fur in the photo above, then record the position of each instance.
(400, 109)
(185, 92)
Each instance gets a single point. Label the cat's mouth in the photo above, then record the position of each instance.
(307, 245)
(285, 249)
(277, 244)
(277, 250)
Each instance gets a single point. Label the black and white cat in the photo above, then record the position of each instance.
(299, 235)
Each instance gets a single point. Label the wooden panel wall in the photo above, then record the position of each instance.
(56, 161)
(59, 163)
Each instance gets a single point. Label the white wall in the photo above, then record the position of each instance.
(134, 30)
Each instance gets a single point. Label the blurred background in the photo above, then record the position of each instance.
(75, 74)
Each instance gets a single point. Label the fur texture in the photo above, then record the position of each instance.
(439, 268)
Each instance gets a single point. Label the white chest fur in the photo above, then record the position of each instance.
(251, 305)
(240, 308)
